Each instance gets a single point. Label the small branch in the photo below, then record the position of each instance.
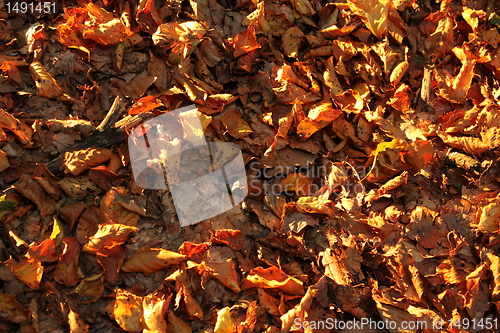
(113, 113)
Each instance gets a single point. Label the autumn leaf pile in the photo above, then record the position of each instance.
(370, 133)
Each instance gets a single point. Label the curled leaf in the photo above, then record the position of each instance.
(149, 260)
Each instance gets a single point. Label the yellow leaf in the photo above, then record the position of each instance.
(374, 14)
(46, 85)
(488, 216)
(495, 270)
(155, 308)
(128, 311)
(57, 232)
(257, 19)
(316, 205)
(224, 322)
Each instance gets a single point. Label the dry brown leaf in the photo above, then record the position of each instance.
(291, 42)
(11, 310)
(149, 260)
(67, 268)
(90, 289)
(29, 188)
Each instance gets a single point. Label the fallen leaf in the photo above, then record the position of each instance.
(67, 268)
(373, 13)
(90, 289)
(27, 269)
(155, 307)
(108, 236)
(78, 161)
(245, 42)
(274, 278)
(127, 310)
(29, 188)
(319, 116)
(149, 260)
(224, 322)
(11, 310)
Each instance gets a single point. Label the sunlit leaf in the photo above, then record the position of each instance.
(274, 278)
(27, 269)
(149, 260)
(108, 236)
(127, 310)
(224, 322)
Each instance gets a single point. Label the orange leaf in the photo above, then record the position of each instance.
(145, 104)
(274, 278)
(149, 260)
(12, 72)
(235, 124)
(20, 129)
(225, 273)
(418, 153)
(193, 250)
(108, 236)
(78, 161)
(245, 42)
(45, 251)
(299, 183)
(28, 270)
(108, 33)
(127, 311)
(268, 302)
(67, 268)
(70, 36)
(320, 115)
(232, 238)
